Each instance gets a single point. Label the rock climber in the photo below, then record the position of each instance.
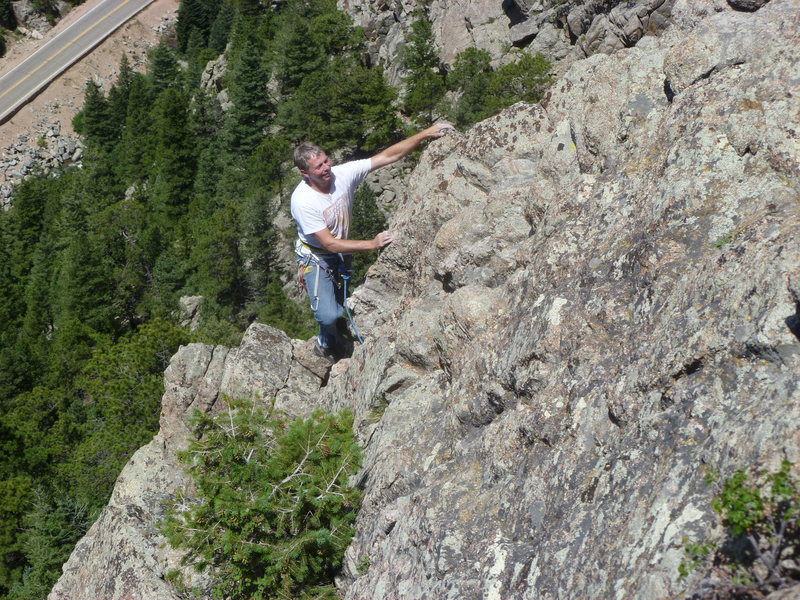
(321, 207)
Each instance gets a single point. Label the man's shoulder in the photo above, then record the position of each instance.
(302, 192)
(355, 167)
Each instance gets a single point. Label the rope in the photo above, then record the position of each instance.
(345, 277)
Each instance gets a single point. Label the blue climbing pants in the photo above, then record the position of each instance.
(326, 295)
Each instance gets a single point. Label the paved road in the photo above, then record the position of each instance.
(30, 77)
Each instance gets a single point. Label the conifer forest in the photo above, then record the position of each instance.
(176, 197)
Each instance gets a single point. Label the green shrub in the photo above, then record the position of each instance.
(274, 512)
(483, 92)
(759, 511)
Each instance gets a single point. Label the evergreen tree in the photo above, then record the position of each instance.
(221, 27)
(119, 95)
(7, 287)
(193, 19)
(166, 281)
(471, 75)
(37, 323)
(344, 105)
(523, 81)
(277, 523)
(368, 221)
(299, 55)
(263, 179)
(251, 105)
(259, 243)
(285, 314)
(8, 18)
(15, 498)
(424, 84)
(132, 255)
(198, 59)
(172, 174)
(335, 32)
(264, 167)
(51, 529)
(84, 285)
(24, 226)
(121, 388)
(98, 127)
(164, 69)
(136, 147)
(216, 258)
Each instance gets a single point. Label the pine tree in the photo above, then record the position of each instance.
(99, 129)
(276, 524)
(221, 27)
(424, 83)
(164, 69)
(8, 18)
(15, 498)
(136, 147)
(251, 110)
(50, 531)
(216, 258)
(471, 75)
(84, 285)
(523, 81)
(37, 323)
(193, 19)
(368, 221)
(298, 55)
(172, 175)
(343, 105)
(119, 94)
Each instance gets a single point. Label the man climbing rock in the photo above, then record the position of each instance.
(321, 208)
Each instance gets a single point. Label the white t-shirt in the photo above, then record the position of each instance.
(314, 212)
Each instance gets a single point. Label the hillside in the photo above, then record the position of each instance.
(41, 132)
(592, 302)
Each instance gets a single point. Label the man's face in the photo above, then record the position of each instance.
(318, 172)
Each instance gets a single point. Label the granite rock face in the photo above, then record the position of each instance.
(562, 30)
(589, 303)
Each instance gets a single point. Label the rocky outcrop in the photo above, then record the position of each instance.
(589, 303)
(562, 30)
(124, 556)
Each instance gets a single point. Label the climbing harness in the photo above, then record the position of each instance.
(306, 255)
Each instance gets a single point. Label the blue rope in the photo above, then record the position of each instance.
(345, 277)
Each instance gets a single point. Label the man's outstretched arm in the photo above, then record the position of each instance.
(401, 149)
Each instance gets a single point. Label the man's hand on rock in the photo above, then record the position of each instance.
(438, 130)
(383, 239)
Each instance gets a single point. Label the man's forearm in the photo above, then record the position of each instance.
(336, 245)
(400, 149)
(397, 151)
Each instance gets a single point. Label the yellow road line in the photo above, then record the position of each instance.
(64, 47)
